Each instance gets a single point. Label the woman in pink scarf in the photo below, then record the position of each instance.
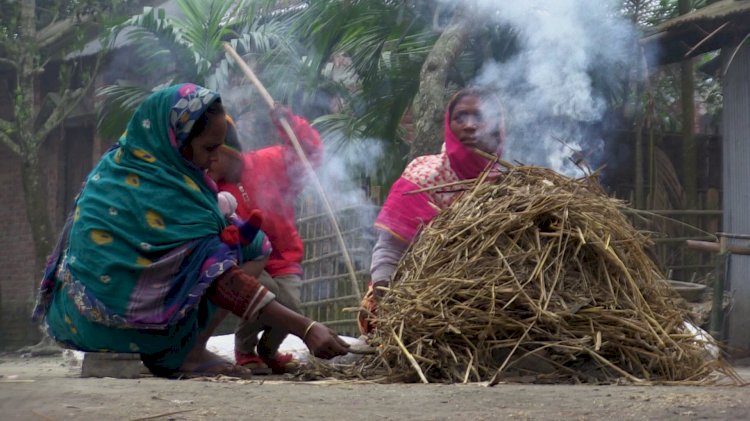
(473, 121)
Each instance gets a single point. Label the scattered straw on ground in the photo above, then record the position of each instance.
(533, 275)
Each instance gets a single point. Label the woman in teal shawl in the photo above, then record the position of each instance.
(147, 257)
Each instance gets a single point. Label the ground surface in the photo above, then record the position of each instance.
(47, 388)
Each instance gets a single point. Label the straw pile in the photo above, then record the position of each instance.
(534, 275)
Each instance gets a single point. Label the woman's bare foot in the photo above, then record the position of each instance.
(202, 363)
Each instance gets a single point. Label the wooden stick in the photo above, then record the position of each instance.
(716, 247)
(709, 36)
(152, 417)
(442, 186)
(250, 75)
(732, 235)
(305, 162)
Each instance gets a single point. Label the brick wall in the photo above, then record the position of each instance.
(18, 278)
(68, 156)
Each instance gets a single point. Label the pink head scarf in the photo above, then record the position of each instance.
(404, 212)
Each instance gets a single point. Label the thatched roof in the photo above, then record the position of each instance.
(710, 28)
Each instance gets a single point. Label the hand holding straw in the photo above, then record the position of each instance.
(305, 162)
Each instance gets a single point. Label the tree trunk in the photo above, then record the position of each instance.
(35, 192)
(34, 188)
(689, 148)
(429, 103)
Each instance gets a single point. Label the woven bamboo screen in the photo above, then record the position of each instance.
(326, 285)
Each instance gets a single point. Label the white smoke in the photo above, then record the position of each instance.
(343, 169)
(546, 88)
(343, 175)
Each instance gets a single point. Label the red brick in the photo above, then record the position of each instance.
(18, 278)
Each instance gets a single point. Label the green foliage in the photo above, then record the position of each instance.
(48, 41)
(9, 21)
(87, 18)
(21, 113)
(649, 13)
(378, 48)
(186, 48)
(41, 41)
(381, 46)
(664, 96)
(121, 96)
(353, 66)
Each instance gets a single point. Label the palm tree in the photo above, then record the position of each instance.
(386, 44)
(379, 47)
(189, 48)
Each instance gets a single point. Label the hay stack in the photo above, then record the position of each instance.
(534, 275)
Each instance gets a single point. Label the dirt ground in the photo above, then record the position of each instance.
(48, 388)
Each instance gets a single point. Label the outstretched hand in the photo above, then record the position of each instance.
(367, 315)
(324, 342)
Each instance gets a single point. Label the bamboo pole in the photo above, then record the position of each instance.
(305, 162)
(720, 247)
(717, 305)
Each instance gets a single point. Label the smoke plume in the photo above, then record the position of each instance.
(552, 104)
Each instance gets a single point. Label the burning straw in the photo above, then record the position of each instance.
(538, 275)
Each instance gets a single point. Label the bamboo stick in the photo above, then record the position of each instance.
(305, 162)
(716, 247)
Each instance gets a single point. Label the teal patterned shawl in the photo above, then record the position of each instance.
(143, 241)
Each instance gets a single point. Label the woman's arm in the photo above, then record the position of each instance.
(254, 267)
(321, 340)
(309, 141)
(308, 137)
(386, 254)
(244, 296)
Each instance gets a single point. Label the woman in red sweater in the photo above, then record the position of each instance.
(270, 179)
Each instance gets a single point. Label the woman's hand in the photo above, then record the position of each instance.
(379, 289)
(280, 112)
(324, 342)
(369, 304)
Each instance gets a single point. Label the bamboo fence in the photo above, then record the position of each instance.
(327, 289)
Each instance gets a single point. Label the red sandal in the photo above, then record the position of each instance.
(281, 363)
(252, 362)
